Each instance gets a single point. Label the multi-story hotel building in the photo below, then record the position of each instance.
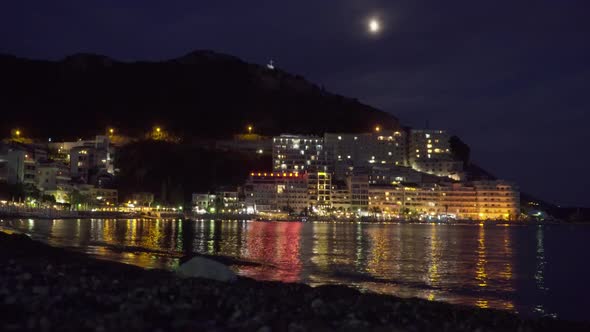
(430, 152)
(497, 200)
(459, 200)
(358, 186)
(429, 144)
(19, 163)
(319, 188)
(297, 153)
(277, 191)
(305, 155)
(482, 200)
(84, 155)
(353, 150)
(340, 197)
(53, 178)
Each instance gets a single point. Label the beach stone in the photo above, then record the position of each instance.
(40, 290)
(318, 307)
(199, 267)
(264, 329)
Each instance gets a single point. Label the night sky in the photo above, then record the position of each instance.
(511, 78)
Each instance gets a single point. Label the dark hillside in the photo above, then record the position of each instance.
(202, 94)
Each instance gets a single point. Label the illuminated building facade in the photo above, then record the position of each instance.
(480, 200)
(319, 188)
(497, 200)
(394, 174)
(352, 150)
(53, 176)
(203, 203)
(459, 200)
(277, 191)
(358, 186)
(228, 201)
(19, 163)
(447, 168)
(83, 155)
(99, 196)
(341, 198)
(297, 153)
(430, 152)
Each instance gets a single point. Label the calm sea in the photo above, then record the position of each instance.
(531, 270)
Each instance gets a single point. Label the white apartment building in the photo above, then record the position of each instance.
(203, 202)
(19, 163)
(83, 155)
(53, 176)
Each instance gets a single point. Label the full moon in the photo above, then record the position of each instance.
(374, 26)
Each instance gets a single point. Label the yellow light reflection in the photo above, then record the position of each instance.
(480, 273)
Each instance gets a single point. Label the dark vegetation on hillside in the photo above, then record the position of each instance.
(202, 94)
(174, 171)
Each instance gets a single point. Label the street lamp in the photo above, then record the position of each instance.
(250, 129)
(377, 128)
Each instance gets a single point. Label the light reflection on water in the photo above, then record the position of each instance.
(485, 266)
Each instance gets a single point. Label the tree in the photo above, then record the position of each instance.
(77, 198)
(375, 211)
(48, 199)
(218, 203)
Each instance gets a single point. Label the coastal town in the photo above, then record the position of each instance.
(386, 174)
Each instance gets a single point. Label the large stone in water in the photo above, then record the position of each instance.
(199, 267)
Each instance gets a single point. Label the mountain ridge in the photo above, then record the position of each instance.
(202, 93)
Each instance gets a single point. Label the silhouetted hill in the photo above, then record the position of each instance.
(184, 170)
(202, 94)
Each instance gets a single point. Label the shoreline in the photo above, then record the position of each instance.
(123, 215)
(48, 288)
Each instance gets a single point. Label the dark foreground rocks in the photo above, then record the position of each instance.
(51, 289)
